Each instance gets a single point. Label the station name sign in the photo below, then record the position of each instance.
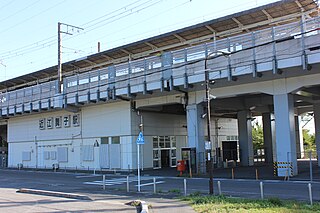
(59, 122)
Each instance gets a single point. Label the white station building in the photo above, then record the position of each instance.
(270, 68)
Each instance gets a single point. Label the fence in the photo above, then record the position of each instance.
(307, 191)
(261, 47)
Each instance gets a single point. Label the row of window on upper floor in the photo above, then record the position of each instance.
(231, 44)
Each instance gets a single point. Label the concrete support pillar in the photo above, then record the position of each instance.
(285, 134)
(245, 138)
(268, 136)
(316, 111)
(299, 138)
(196, 128)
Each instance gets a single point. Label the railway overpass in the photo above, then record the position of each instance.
(264, 61)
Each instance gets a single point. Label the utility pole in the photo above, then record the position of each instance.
(207, 88)
(208, 125)
(67, 31)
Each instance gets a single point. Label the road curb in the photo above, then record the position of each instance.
(54, 194)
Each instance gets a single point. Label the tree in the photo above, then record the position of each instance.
(309, 140)
(257, 136)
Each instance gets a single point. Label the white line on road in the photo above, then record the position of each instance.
(148, 184)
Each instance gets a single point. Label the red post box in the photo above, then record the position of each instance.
(181, 166)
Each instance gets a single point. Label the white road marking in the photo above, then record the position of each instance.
(118, 181)
(148, 184)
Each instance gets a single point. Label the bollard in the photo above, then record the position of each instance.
(127, 183)
(104, 182)
(257, 175)
(310, 193)
(232, 173)
(261, 190)
(154, 186)
(185, 186)
(310, 166)
(219, 187)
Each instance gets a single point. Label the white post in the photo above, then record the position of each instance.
(310, 165)
(154, 185)
(310, 193)
(261, 190)
(104, 182)
(185, 186)
(138, 167)
(219, 187)
(127, 183)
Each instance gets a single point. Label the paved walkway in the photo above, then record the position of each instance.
(10, 201)
(265, 172)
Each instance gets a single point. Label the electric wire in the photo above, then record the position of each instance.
(31, 17)
(19, 11)
(44, 45)
(21, 51)
(8, 3)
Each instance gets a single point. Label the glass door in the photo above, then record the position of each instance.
(156, 153)
(156, 159)
(173, 157)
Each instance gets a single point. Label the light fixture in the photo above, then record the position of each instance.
(279, 71)
(203, 115)
(259, 74)
(96, 144)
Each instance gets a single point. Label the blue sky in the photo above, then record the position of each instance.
(29, 28)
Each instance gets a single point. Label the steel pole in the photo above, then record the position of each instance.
(59, 59)
(208, 126)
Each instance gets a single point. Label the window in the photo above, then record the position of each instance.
(115, 140)
(53, 155)
(167, 141)
(161, 141)
(46, 155)
(155, 154)
(104, 140)
(173, 141)
(155, 142)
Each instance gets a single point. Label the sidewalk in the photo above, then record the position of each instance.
(264, 172)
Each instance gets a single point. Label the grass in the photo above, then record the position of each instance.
(177, 191)
(221, 204)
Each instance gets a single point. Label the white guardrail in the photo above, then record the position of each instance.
(250, 53)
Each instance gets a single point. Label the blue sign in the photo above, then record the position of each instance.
(140, 139)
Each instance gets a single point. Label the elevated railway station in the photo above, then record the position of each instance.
(261, 62)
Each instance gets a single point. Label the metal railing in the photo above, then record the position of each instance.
(258, 48)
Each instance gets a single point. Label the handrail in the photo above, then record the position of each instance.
(152, 68)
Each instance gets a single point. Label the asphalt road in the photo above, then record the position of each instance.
(113, 199)
(91, 185)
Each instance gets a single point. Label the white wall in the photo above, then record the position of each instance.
(97, 121)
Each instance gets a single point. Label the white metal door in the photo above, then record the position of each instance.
(104, 156)
(115, 156)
